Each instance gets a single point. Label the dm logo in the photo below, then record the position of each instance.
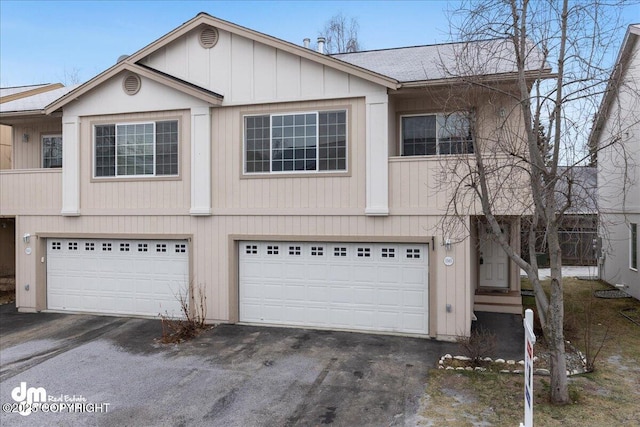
(28, 397)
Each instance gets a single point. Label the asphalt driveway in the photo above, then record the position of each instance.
(109, 371)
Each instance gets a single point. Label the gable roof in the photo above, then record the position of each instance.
(206, 19)
(443, 61)
(618, 73)
(8, 94)
(142, 70)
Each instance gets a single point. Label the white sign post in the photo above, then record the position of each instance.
(529, 341)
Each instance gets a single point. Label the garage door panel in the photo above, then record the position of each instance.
(317, 293)
(388, 320)
(340, 272)
(413, 299)
(388, 274)
(340, 294)
(364, 295)
(317, 315)
(135, 277)
(413, 275)
(363, 272)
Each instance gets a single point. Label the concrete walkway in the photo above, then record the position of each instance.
(569, 271)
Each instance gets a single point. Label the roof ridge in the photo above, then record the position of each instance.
(31, 85)
(417, 46)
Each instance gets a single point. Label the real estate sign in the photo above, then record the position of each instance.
(529, 341)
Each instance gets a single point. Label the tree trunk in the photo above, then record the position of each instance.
(554, 329)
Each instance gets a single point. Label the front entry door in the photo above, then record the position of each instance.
(494, 262)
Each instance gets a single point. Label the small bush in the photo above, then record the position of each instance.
(192, 321)
(480, 343)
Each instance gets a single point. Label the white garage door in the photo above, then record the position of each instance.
(355, 286)
(130, 277)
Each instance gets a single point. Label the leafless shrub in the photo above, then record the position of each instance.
(190, 323)
(592, 343)
(480, 343)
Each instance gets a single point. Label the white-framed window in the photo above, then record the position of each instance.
(633, 247)
(51, 151)
(298, 142)
(136, 149)
(435, 134)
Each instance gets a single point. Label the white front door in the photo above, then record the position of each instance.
(354, 286)
(494, 262)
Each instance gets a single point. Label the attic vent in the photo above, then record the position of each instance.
(131, 84)
(208, 37)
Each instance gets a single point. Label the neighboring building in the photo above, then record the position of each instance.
(578, 228)
(11, 94)
(618, 120)
(293, 187)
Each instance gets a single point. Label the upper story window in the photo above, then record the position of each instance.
(136, 149)
(302, 142)
(52, 151)
(433, 134)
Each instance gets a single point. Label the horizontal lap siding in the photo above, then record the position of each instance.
(210, 249)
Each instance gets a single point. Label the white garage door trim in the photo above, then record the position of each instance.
(381, 287)
(117, 276)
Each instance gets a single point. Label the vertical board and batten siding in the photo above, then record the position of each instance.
(248, 72)
(150, 196)
(425, 185)
(28, 155)
(30, 192)
(314, 193)
(211, 257)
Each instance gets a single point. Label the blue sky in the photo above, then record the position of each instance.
(42, 41)
(48, 41)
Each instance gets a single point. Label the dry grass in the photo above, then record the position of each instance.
(608, 396)
(7, 297)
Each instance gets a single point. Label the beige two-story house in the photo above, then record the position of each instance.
(292, 187)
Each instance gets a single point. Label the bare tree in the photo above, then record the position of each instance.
(341, 34)
(70, 77)
(552, 59)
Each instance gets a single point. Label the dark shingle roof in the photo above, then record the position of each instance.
(584, 183)
(441, 61)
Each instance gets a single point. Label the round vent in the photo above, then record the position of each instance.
(131, 84)
(208, 37)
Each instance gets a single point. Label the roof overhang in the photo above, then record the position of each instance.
(157, 76)
(35, 91)
(11, 118)
(530, 76)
